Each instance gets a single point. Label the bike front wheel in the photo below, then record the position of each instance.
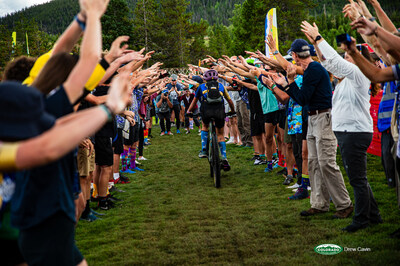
(216, 164)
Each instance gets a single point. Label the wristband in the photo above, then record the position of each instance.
(80, 23)
(108, 112)
(272, 88)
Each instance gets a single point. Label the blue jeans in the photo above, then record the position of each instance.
(353, 148)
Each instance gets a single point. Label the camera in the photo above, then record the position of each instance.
(165, 93)
(343, 38)
(235, 84)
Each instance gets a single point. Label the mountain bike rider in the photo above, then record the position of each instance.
(211, 96)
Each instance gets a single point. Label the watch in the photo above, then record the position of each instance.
(319, 37)
(276, 52)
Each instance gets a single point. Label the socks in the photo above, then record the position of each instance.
(222, 148)
(95, 192)
(124, 159)
(281, 161)
(116, 176)
(146, 135)
(86, 211)
(204, 139)
(132, 155)
(305, 181)
(269, 165)
(149, 132)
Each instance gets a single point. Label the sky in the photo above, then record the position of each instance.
(9, 6)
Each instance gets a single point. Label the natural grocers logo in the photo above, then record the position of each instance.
(328, 249)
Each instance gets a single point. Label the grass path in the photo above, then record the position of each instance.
(172, 214)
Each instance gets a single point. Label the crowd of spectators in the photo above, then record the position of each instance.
(90, 117)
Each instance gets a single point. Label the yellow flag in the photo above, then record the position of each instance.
(271, 27)
(14, 39)
(27, 45)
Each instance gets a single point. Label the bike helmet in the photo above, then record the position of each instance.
(210, 74)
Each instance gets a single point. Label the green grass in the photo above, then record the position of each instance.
(172, 214)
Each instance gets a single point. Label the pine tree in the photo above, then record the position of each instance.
(116, 22)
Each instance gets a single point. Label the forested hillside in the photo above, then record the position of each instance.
(54, 17)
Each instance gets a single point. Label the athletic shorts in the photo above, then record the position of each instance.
(133, 135)
(104, 152)
(272, 118)
(118, 143)
(282, 118)
(51, 242)
(217, 112)
(86, 163)
(257, 125)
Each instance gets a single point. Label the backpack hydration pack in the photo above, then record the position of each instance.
(213, 94)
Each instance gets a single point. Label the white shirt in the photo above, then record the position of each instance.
(350, 102)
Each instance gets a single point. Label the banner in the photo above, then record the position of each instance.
(14, 39)
(375, 147)
(27, 45)
(271, 27)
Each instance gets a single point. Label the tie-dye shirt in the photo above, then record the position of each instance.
(294, 112)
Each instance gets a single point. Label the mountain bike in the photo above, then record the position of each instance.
(213, 155)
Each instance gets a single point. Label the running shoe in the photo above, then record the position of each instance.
(282, 172)
(294, 186)
(225, 165)
(288, 180)
(89, 218)
(141, 158)
(178, 131)
(203, 154)
(301, 193)
(96, 213)
(128, 171)
(187, 132)
(258, 161)
(170, 133)
(162, 133)
(138, 169)
(254, 158)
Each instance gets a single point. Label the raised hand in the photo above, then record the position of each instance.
(351, 48)
(291, 72)
(212, 59)
(271, 43)
(116, 50)
(267, 81)
(351, 12)
(311, 31)
(279, 79)
(94, 7)
(119, 93)
(364, 26)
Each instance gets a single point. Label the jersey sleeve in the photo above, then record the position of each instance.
(198, 93)
(226, 94)
(8, 156)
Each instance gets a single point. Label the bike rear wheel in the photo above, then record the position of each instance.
(216, 164)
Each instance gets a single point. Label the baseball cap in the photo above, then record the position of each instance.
(174, 77)
(22, 112)
(298, 46)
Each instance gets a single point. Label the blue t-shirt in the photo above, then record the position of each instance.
(173, 94)
(43, 191)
